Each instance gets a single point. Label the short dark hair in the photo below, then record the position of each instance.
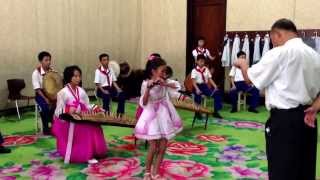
(154, 56)
(43, 54)
(285, 24)
(153, 65)
(240, 53)
(103, 55)
(169, 71)
(201, 38)
(68, 73)
(201, 56)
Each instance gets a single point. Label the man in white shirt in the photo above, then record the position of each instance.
(239, 85)
(43, 102)
(107, 86)
(288, 73)
(202, 78)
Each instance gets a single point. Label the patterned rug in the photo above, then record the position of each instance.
(230, 149)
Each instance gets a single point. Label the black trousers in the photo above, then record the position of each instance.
(291, 145)
(1, 139)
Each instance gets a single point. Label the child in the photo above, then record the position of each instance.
(3, 149)
(107, 87)
(200, 50)
(76, 142)
(238, 85)
(46, 112)
(202, 78)
(150, 58)
(174, 87)
(159, 120)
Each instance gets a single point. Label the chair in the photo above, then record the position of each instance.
(38, 125)
(188, 85)
(242, 100)
(15, 86)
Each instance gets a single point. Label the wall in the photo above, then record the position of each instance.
(164, 30)
(76, 31)
(247, 15)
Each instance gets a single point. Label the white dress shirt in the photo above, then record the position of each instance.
(226, 54)
(235, 48)
(104, 77)
(266, 45)
(201, 75)
(236, 73)
(289, 74)
(174, 92)
(246, 46)
(37, 78)
(198, 51)
(256, 51)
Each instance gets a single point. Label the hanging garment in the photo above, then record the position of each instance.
(266, 46)
(225, 59)
(245, 47)
(235, 48)
(317, 42)
(310, 41)
(256, 50)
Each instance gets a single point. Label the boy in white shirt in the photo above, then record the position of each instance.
(107, 87)
(238, 85)
(201, 50)
(202, 78)
(43, 102)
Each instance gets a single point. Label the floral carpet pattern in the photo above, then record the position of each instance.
(203, 156)
(231, 148)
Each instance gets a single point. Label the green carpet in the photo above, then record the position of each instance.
(233, 148)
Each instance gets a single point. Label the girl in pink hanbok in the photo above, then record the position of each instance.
(159, 120)
(76, 142)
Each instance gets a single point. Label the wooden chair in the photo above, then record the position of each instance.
(242, 100)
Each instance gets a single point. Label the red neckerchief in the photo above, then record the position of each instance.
(74, 93)
(201, 71)
(201, 51)
(105, 73)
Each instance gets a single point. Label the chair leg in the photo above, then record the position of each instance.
(194, 118)
(245, 101)
(146, 144)
(206, 125)
(239, 102)
(17, 107)
(205, 102)
(36, 117)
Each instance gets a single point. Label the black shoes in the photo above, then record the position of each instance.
(253, 110)
(217, 115)
(233, 110)
(4, 150)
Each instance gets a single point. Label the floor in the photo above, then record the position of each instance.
(231, 148)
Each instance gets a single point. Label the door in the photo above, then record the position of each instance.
(207, 18)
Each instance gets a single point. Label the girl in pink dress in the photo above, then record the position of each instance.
(159, 120)
(150, 58)
(76, 142)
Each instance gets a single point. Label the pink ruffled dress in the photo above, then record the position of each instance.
(159, 118)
